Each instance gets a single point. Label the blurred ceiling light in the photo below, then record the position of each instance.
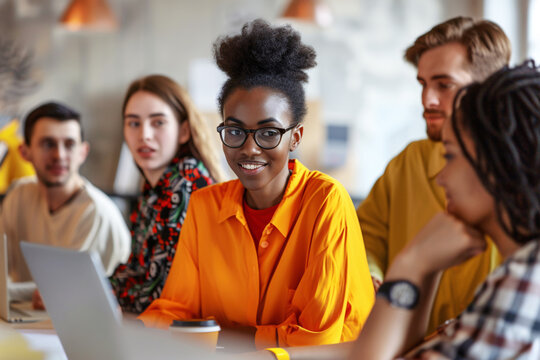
(89, 15)
(314, 11)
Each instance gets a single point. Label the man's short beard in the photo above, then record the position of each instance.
(434, 134)
(50, 184)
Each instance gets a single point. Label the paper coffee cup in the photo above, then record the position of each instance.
(203, 331)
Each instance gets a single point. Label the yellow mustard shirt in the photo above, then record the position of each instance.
(400, 203)
(307, 283)
(13, 165)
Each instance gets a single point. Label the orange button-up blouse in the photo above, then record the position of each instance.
(307, 283)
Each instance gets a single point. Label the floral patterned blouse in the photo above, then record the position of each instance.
(155, 229)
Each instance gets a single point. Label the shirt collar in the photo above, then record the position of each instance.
(232, 202)
(163, 182)
(286, 212)
(288, 206)
(436, 159)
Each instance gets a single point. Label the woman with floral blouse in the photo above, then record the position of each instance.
(169, 141)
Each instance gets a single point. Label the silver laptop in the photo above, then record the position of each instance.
(78, 298)
(86, 315)
(14, 312)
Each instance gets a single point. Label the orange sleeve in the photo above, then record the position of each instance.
(335, 294)
(180, 298)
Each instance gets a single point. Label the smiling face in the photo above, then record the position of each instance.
(466, 197)
(442, 71)
(263, 173)
(152, 133)
(56, 151)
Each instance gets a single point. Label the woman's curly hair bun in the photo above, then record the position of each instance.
(266, 56)
(261, 49)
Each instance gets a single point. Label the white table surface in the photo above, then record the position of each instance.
(139, 343)
(46, 341)
(40, 336)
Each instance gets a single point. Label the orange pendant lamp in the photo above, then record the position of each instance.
(89, 15)
(312, 11)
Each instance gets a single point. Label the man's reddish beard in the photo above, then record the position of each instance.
(434, 132)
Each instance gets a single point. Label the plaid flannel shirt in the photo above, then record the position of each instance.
(503, 320)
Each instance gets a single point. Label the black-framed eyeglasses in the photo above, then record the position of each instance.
(266, 138)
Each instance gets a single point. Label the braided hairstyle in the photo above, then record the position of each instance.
(502, 117)
(272, 57)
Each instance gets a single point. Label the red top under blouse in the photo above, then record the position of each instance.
(257, 220)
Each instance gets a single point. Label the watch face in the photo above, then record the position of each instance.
(403, 295)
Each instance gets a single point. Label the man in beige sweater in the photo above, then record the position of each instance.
(58, 207)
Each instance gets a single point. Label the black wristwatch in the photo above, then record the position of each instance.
(400, 293)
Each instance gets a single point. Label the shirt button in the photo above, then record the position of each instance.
(264, 244)
(268, 231)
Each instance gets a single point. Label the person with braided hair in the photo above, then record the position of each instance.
(492, 183)
(279, 250)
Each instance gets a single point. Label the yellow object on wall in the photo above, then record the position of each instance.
(12, 165)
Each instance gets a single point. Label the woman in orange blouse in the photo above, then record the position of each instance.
(280, 249)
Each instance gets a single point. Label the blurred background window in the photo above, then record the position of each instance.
(363, 99)
(533, 30)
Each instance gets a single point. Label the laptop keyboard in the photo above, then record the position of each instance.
(19, 315)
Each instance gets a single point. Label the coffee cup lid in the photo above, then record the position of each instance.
(195, 323)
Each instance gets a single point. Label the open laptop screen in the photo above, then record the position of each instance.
(78, 298)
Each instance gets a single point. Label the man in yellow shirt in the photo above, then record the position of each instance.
(448, 57)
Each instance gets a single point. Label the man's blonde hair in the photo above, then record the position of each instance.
(488, 47)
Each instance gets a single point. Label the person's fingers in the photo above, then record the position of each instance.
(432, 355)
(376, 283)
(474, 241)
(445, 241)
(37, 302)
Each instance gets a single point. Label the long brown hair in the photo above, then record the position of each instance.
(200, 144)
